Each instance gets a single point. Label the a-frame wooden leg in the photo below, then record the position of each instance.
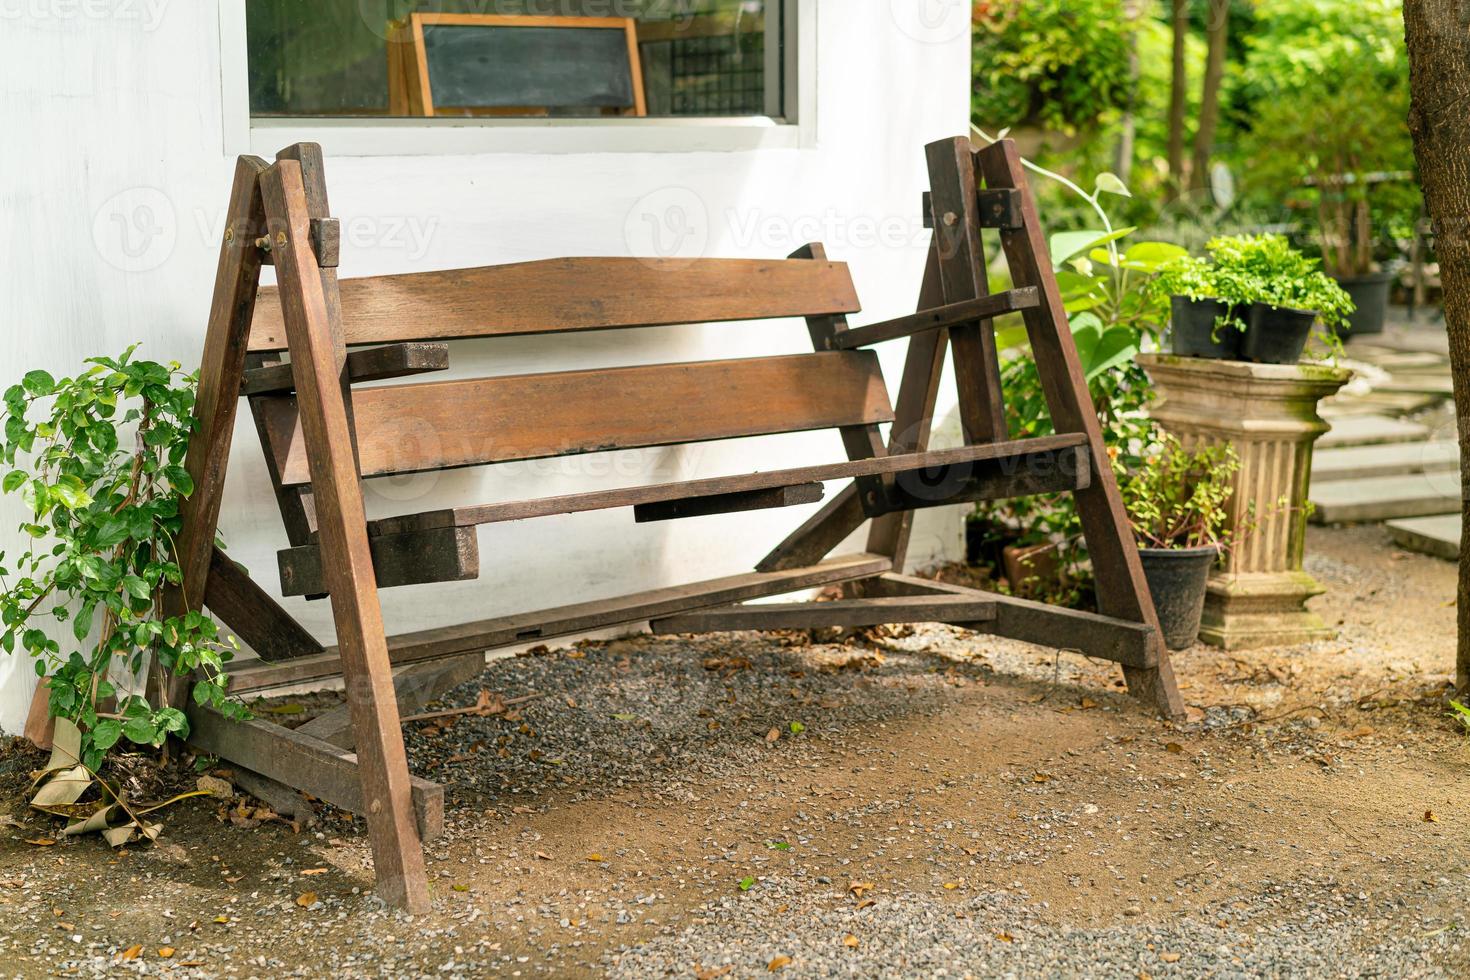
(318, 359)
(1122, 591)
(912, 417)
(237, 281)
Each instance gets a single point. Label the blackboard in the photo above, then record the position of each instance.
(494, 62)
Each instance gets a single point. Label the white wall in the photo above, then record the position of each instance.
(114, 176)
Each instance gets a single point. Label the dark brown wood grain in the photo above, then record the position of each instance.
(951, 464)
(444, 424)
(368, 364)
(318, 361)
(845, 613)
(942, 318)
(253, 614)
(447, 554)
(582, 617)
(727, 503)
(560, 295)
(962, 271)
(308, 764)
(237, 278)
(1122, 591)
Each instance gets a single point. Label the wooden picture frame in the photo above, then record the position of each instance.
(410, 92)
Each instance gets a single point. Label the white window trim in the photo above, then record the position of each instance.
(450, 137)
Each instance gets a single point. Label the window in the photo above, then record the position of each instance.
(507, 59)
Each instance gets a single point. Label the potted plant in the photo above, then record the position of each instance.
(1176, 502)
(1285, 291)
(1201, 323)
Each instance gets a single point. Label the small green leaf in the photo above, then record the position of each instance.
(13, 481)
(136, 587)
(797, 728)
(38, 383)
(140, 730)
(1110, 183)
(106, 734)
(747, 883)
(625, 717)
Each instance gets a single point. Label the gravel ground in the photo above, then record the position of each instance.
(678, 806)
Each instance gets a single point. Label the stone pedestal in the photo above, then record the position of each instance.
(1268, 412)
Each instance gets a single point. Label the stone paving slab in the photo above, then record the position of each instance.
(1393, 360)
(1416, 383)
(1437, 536)
(1401, 458)
(1385, 497)
(1367, 430)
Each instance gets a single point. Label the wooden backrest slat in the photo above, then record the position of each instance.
(444, 424)
(559, 295)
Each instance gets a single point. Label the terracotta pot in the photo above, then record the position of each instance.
(1031, 568)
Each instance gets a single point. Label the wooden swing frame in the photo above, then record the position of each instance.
(305, 411)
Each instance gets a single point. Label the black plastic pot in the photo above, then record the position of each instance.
(1370, 295)
(1192, 328)
(1176, 579)
(1276, 334)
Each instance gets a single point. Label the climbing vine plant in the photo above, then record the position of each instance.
(98, 463)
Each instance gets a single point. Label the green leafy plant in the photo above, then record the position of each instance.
(1176, 497)
(101, 521)
(1266, 269)
(1055, 63)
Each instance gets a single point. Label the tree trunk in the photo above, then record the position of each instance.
(1209, 108)
(1128, 133)
(1178, 96)
(1439, 85)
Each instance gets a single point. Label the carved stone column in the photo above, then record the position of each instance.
(1268, 412)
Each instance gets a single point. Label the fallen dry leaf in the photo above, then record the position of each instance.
(542, 856)
(866, 902)
(306, 899)
(167, 953)
(850, 941)
(594, 857)
(773, 734)
(1174, 747)
(1041, 777)
(1169, 957)
(41, 841)
(131, 953)
(860, 888)
(1005, 937)
(1087, 704)
(1431, 817)
(702, 972)
(951, 885)
(778, 963)
(313, 871)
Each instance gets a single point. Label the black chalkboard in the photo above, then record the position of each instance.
(495, 66)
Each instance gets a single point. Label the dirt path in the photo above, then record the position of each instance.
(949, 803)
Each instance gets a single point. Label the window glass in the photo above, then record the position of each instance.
(515, 57)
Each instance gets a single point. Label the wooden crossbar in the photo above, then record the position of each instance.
(562, 295)
(323, 437)
(444, 424)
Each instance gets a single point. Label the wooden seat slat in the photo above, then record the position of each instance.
(445, 424)
(561, 295)
(515, 510)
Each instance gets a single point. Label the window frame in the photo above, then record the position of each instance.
(794, 128)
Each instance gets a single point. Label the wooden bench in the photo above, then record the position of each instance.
(296, 351)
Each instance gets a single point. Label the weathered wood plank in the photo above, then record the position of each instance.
(319, 365)
(416, 685)
(584, 617)
(1122, 591)
(254, 614)
(444, 424)
(307, 764)
(1117, 640)
(942, 318)
(369, 364)
(727, 503)
(559, 295)
(237, 279)
(841, 613)
(449, 554)
(947, 464)
(1058, 471)
(956, 206)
